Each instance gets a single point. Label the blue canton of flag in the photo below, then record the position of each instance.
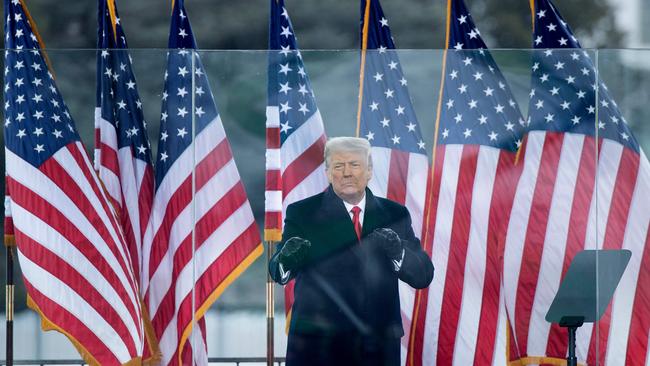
(387, 118)
(37, 121)
(117, 94)
(478, 107)
(567, 78)
(289, 86)
(176, 120)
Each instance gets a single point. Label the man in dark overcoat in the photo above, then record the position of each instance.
(347, 250)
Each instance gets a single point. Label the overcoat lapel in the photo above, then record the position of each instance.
(338, 224)
(371, 216)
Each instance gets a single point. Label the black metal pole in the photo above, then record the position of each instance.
(571, 359)
(270, 308)
(9, 297)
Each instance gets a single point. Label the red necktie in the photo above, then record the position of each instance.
(355, 221)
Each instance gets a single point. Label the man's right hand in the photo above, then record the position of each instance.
(293, 252)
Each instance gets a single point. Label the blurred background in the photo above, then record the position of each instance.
(333, 24)
(233, 36)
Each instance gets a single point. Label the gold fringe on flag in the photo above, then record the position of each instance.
(200, 311)
(47, 325)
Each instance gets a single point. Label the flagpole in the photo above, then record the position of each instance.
(270, 245)
(9, 314)
(362, 69)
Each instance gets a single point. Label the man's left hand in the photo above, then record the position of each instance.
(389, 242)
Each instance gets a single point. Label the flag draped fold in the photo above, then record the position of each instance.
(75, 260)
(202, 234)
(585, 185)
(460, 318)
(122, 150)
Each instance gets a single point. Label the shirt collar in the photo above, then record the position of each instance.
(361, 204)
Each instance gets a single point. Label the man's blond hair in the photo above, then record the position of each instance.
(347, 144)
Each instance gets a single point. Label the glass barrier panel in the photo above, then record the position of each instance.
(622, 214)
(509, 162)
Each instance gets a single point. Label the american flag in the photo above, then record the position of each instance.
(388, 122)
(585, 185)
(202, 233)
(295, 136)
(460, 318)
(73, 255)
(122, 150)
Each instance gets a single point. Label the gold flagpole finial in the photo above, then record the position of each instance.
(110, 4)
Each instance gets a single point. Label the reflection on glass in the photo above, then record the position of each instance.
(584, 176)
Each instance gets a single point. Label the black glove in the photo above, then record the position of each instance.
(389, 242)
(293, 252)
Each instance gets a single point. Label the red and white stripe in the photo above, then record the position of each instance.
(294, 170)
(399, 176)
(8, 220)
(129, 183)
(195, 351)
(570, 199)
(459, 319)
(273, 185)
(201, 229)
(73, 255)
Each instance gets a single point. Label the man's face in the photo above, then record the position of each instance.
(349, 173)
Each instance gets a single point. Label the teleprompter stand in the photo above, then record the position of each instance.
(586, 290)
